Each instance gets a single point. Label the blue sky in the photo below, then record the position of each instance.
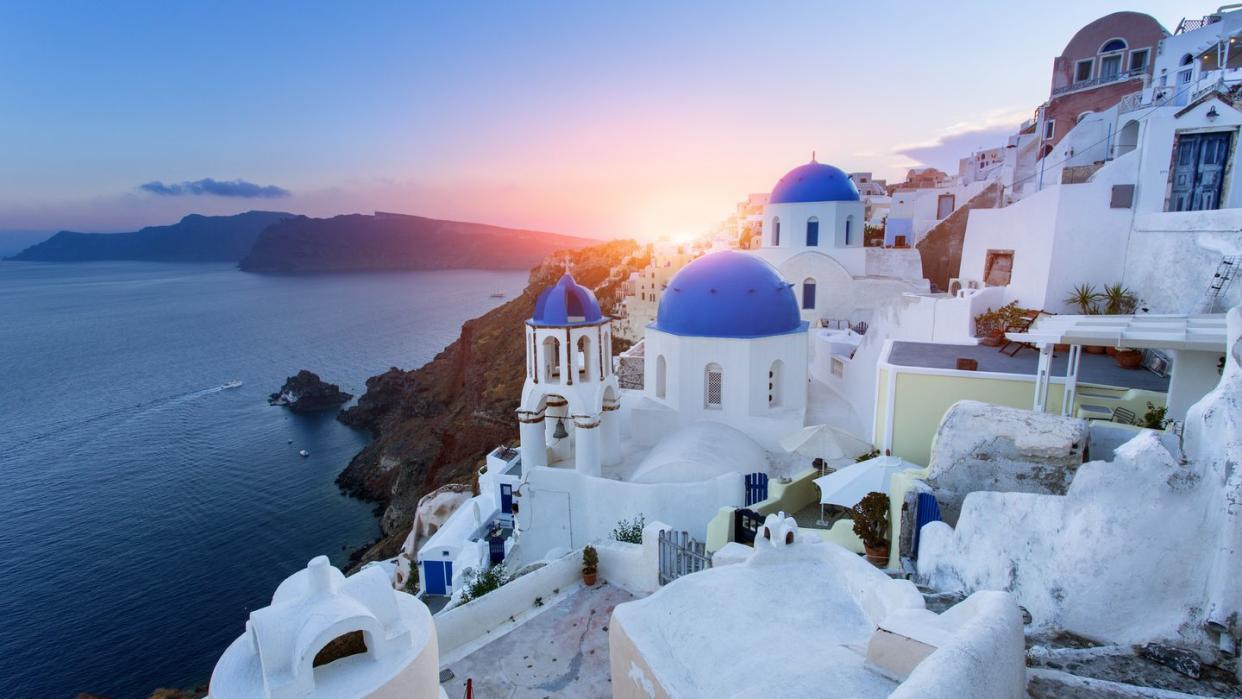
(591, 118)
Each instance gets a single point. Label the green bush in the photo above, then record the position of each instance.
(590, 559)
(630, 531)
(871, 519)
(1154, 418)
(479, 584)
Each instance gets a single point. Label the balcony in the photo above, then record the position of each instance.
(1101, 80)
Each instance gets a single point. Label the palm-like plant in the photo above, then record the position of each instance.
(1084, 296)
(1118, 300)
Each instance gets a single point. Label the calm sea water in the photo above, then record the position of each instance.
(144, 509)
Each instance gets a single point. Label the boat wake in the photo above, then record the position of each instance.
(69, 426)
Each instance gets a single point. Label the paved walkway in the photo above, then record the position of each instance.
(562, 652)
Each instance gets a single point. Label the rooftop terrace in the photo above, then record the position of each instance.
(1093, 368)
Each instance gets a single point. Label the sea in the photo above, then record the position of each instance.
(146, 508)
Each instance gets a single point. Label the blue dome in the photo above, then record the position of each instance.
(814, 182)
(728, 294)
(566, 303)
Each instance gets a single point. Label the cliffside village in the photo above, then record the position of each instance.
(973, 434)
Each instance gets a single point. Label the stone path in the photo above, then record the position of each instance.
(562, 652)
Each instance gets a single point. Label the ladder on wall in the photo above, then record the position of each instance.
(1221, 280)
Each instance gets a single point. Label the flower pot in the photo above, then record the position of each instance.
(1093, 349)
(588, 577)
(877, 555)
(1060, 347)
(967, 364)
(1111, 351)
(1128, 359)
(993, 339)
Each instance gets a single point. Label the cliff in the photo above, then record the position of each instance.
(941, 248)
(435, 425)
(195, 238)
(358, 243)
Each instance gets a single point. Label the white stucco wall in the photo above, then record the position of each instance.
(1144, 547)
(832, 216)
(745, 364)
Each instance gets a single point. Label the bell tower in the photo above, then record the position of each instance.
(570, 397)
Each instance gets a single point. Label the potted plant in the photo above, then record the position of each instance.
(1084, 296)
(590, 564)
(1118, 300)
(1127, 358)
(870, 517)
(990, 325)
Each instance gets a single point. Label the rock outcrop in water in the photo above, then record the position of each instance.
(386, 242)
(307, 393)
(435, 425)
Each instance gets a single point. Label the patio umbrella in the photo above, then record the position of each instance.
(825, 442)
(847, 486)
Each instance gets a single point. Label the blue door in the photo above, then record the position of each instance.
(506, 499)
(756, 487)
(437, 576)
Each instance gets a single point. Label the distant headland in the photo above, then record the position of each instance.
(284, 243)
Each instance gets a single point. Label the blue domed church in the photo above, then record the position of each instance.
(813, 234)
(729, 345)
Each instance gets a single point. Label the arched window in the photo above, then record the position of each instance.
(849, 230)
(776, 231)
(1113, 45)
(812, 232)
(808, 293)
(1186, 60)
(713, 386)
(582, 358)
(661, 377)
(551, 358)
(774, 384)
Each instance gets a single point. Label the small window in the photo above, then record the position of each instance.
(776, 231)
(808, 294)
(713, 386)
(1082, 70)
(661, 377)
(1186, 60)
(849, 230)
(1110, 67)
(1050, 128)
(1138, 59)
(812, 232)
(1113, 45)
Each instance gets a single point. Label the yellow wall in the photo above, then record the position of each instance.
(921, 401)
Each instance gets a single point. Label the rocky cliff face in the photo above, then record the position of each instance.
(435, 425)
(941, 249)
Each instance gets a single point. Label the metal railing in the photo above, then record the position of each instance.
(1101, 80)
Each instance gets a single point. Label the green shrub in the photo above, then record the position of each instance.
(479, 584)
(630, 531)
(590, 559)
(1154, 418)
(871, 519)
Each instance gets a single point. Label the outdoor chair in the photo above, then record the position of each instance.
(1020, 326)
(1124, 417)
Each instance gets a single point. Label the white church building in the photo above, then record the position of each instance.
(813, 227)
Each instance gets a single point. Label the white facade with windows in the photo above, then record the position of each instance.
(813, 234)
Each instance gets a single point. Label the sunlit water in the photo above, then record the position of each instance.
(144, 508)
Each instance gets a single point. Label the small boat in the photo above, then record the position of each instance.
(498, 294)
(232, 384)
(303, 453)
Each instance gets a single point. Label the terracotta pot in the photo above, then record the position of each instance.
(967, 364)
(1093, 349)
(1111, 351)
(1060, 347)
(588, 577)
(877, 555)
(992, 339)
(1128, 359)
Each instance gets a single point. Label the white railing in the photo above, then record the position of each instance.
(1102, 80)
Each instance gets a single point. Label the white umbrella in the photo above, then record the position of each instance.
(825, 442)
(847, 486)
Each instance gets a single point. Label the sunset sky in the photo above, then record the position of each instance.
(602, 119)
